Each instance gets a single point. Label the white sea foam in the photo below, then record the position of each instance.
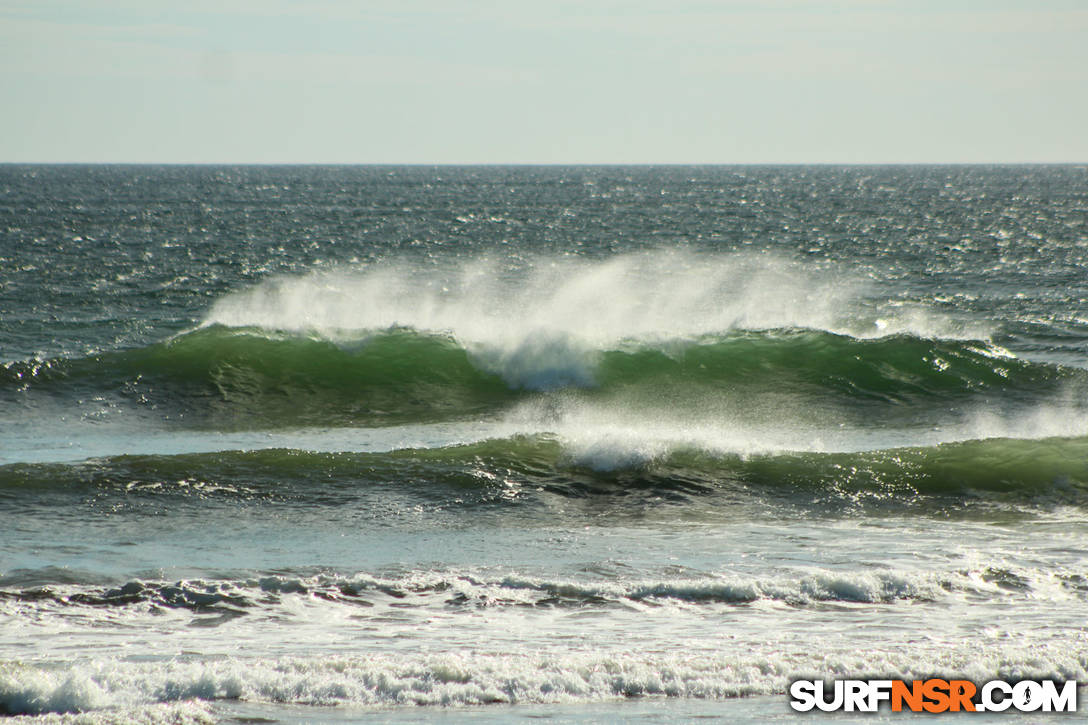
(465, 637)
(189, 712)
(473, 678)
(977, 579)
(608, 436)
(614, 435)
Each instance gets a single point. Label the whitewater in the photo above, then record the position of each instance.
(331, 443)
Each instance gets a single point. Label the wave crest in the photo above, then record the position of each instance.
(400, 375)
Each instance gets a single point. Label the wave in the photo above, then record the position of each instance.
(656, 294)
(393, 376)
(395, 343)
(267, 379)
(521, 469)
(414, 679)
(53, 589)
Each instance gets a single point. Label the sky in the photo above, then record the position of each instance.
(528, 81)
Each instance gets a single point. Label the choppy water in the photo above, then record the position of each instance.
(300, 442)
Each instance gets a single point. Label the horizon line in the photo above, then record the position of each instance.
(532, 164)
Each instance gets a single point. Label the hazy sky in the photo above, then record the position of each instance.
(591, 81)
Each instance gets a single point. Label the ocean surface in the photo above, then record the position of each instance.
(490, 443)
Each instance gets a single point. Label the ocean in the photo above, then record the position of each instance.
(491, 444)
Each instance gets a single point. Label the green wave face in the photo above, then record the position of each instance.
(891, 369)
(256, 378)
(528, 469)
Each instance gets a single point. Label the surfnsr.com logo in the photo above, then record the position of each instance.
(934, 695)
